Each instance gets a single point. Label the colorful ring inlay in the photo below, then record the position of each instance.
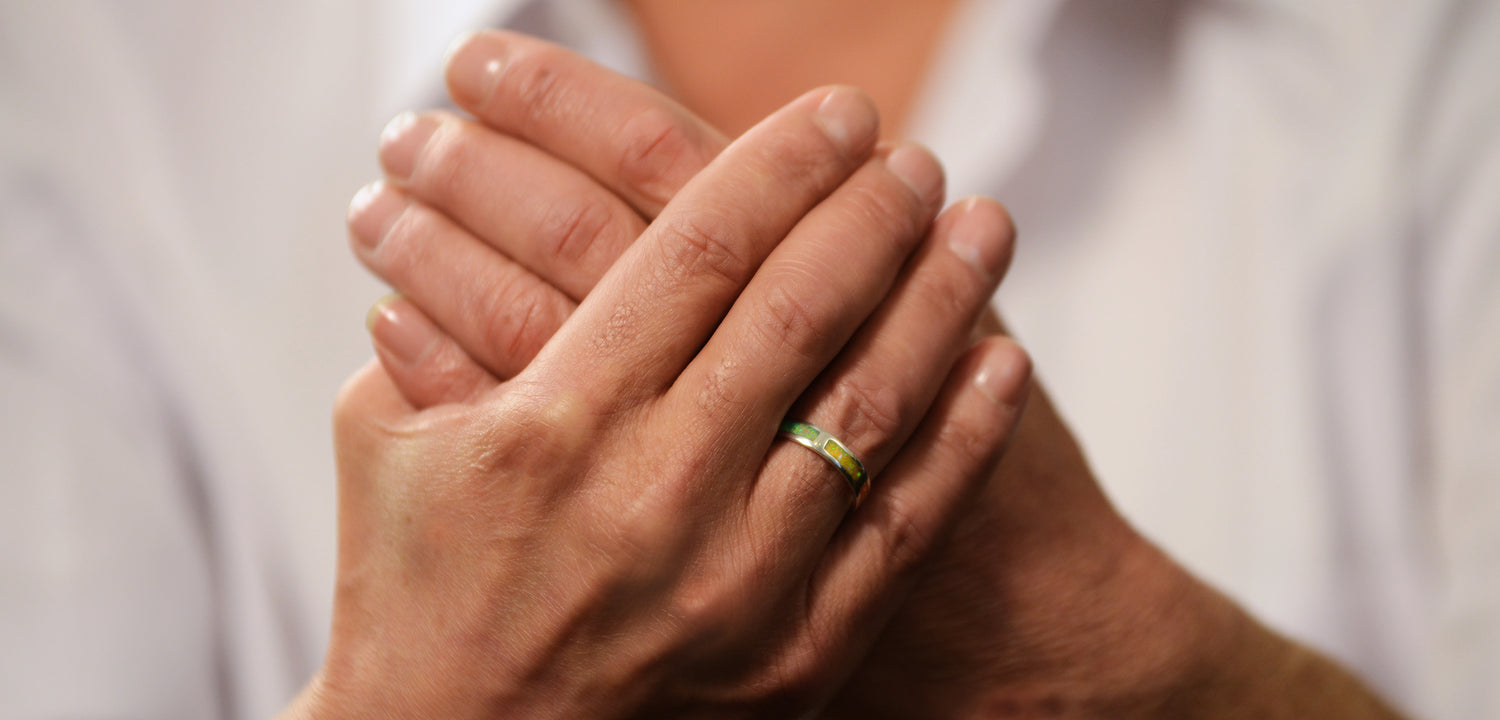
(831, 449)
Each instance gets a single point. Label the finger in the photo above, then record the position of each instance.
(886, 379)
(368, 408)
(631, 337)
(811, 295)
(547, 216)
(367, 403)
(872, 562)
(499, 312)
(427, 366)
(635, 141)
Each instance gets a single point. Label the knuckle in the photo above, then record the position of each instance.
(692, 247)
(871, 415)
(533, 83)
(705, 610)
(790, 322)
(823, 485)
(526, 432)
(572, 229)
(791, 315)
(950, 295)
(451, 374)
(637, 536)
(620, 330)
(449, 164)
(805, 158)
(722, 393)
(905, 534)
(968, 443)
(890, 212)
(658, 153)
(403, 250)
(489, 443)
(642, 533)
(517, 320)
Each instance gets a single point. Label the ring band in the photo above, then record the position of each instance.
(831, 449)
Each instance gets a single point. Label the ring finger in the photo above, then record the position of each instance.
(882, 384)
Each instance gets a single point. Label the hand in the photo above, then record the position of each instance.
(1045, 601)
(614, 531)
(501, 218)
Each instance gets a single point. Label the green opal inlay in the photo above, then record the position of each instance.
(800, 430)
(832, 450)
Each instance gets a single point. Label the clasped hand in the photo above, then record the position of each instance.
(572, 502)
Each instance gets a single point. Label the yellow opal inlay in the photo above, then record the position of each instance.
(832, 450)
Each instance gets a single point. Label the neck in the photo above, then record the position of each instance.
(735, 62)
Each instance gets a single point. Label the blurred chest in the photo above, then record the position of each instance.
(735, 62)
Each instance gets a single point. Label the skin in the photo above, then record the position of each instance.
(1043, 603)
(613, 531)
(732, 63)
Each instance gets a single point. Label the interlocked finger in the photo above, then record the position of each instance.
(632, 337)
(426, 365)
(813, 293)
(499, 312)
(874, 560)
(885, 380)
(627, 135)
(535, 209)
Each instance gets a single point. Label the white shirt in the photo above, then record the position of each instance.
(1257, 271)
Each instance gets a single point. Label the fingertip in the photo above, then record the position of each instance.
(372, 212)
(402, 142)
(996, 215)
(458, 42)
(848, 116)
(981, 233)
(1004, 372)
(400, 331)
(425, 365)
(919, 170)
(473, 66)
(376, 310)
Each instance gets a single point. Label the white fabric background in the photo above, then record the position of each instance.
(1259, 250)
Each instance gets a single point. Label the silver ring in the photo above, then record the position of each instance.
(831, 449)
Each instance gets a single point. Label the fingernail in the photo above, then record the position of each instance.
(400, 329)
(372, 212)
(978, 238)
(401, 143)
(916, 167)
(1005, 373)
(848, 117)
(474, 65)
